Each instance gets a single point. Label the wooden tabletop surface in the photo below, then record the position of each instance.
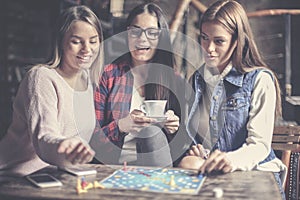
(254, 185)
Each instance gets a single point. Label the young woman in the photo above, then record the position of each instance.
(144, 73)
(53, 113)
(236, 98)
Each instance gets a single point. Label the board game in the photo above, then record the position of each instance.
(164, 180)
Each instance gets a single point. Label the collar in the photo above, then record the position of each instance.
(235, 77)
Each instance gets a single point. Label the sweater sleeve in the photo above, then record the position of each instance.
(41, 106)
(260, 125)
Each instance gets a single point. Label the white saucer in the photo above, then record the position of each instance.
(159, 119)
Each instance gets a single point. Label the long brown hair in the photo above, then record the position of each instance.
(246, 57)
(160, 83)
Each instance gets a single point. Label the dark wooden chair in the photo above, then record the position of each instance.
(286, 139)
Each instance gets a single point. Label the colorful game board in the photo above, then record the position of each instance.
(155, 180)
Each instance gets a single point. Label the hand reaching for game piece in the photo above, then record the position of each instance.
(76, 151)
(217, 161)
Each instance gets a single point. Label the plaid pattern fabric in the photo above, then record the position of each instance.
(113, 100)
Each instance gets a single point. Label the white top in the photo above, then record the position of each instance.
(45, 111)
(128, 152)
(260, 125)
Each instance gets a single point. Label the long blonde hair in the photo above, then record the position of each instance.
(246, 57)
(67, 17)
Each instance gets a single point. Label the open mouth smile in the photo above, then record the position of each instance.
(142, 48)
(84, 58)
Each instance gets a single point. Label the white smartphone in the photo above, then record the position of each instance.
(80, 170)
(44, 180)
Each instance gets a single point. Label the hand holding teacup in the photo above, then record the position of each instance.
(134, 122)
(155, 109)
(172, 122)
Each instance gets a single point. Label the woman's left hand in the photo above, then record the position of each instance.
(217, 161)
(172, 123)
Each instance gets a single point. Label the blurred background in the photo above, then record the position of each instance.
(26, 38)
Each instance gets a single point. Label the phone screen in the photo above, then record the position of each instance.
(44, 180)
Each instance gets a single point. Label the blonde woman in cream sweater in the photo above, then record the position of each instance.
(53, 113)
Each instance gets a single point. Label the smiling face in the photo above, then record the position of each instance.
(217, 44)
(80, 46)
(141, 48)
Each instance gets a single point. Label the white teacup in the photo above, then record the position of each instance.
(154, 108)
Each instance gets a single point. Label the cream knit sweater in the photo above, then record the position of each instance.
(43, 115)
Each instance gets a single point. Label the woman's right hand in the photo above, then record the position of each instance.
(76, 151)
(134, 122)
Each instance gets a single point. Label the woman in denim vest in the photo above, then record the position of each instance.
(237, 98)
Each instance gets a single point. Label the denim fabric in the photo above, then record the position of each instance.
(229, 112)
(278, 180)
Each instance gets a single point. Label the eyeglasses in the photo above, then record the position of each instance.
(151, 33)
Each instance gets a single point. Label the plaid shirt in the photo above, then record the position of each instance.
(113, 100)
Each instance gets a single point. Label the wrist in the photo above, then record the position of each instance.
(119, 123)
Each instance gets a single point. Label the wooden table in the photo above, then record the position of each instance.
(237, 185)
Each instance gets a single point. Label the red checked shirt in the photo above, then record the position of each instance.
(113, 100)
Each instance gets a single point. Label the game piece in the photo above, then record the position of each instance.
(78, 186)
(218, 192)
(79, 189)
(89, 186)
(164, 170)
(173, 180)
(84, 183)
(125, 166)
(98, 185)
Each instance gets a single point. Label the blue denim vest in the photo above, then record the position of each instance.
(229, 111)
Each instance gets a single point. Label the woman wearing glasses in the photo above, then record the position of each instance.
(145, 72)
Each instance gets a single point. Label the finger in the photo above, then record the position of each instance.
(86, 156)
(196, 150)
(209, 162)
(137, 112)
(170, 112)
(74, 156)
(191, 153)
(142, 119)
(227, 169)
(224, 164)
(172, 118)
(218, 160)
(83, 156)
(202, 151)
(171, 130)
(220, 165)
(172, 123)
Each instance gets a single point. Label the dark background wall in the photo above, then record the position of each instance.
(26, 37)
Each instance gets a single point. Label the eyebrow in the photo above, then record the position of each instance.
(76, 36)
(215, 37)
(136, 26)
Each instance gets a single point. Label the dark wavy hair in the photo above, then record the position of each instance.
(160, 81)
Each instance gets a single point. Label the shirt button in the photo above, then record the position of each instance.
(213, 118)
(216, 97)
